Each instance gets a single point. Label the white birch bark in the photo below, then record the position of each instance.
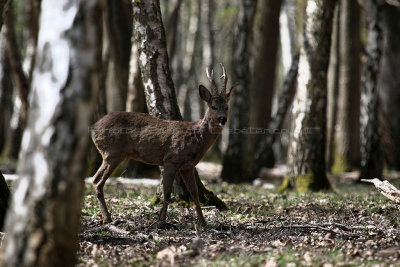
(44, 217)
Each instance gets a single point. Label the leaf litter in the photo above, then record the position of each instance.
(354, 225)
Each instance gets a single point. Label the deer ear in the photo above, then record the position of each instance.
(231, 91)
(204, 93)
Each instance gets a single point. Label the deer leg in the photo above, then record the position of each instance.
(99, 179)
(169, 176)
(191, 186)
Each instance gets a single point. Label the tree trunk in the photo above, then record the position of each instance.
(191, 56)
(6, 90)
(43, 220)
(275, 125)
(159, 88)
(136, 101)
(389, 83)
(371, 155)
(118, 25)
(172, 28)
(306, 156)
(234, 162)
(32, 28)
(347, 152)
(263, 79)
(21, 83)
(333, 88)
(4, 200)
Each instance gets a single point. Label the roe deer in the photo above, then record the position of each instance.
(176, 145)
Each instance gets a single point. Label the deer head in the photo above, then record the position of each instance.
(217, 101)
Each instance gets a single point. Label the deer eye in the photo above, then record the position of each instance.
(213, 108)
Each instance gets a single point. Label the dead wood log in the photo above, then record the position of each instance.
(385, 188)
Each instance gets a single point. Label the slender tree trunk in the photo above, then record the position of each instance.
(44, 217)
(389, 83)
(4, 200)
(333, 88)
(190, 60)
(136, 100)
(371, 155)
(306, 156)
(276, 123)
(347, 152)
(118, 25)
(21, 83)
(263, 79)
(172, 28)
(5, 96)
(234, 162)
(6, 90)
(159, 88)
(32, 29)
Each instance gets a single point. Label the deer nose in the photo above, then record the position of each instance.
(221, 120)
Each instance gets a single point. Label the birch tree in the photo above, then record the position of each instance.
(43, 221)
(306, 156)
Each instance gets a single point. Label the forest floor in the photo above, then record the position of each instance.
(351, 225)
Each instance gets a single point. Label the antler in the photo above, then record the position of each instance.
(210, 76)
(225, 77)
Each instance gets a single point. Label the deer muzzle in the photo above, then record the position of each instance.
(222, 121)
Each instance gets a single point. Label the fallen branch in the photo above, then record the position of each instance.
(385, 188)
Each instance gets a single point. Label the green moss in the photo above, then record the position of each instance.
(304, 182)
(340, 164)
(285, 185)
(155, 199)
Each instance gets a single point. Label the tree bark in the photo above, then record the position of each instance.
(6, 90)
(263, 78)
(4, 200)
(235, 162)
(172, 28)
(371, 155)
(333, 89)
(159, 88)
(306, 156)
(44, 216)
(118, 25)
(190, 61)
(21, 83)
(347, 152)
(389, 83)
